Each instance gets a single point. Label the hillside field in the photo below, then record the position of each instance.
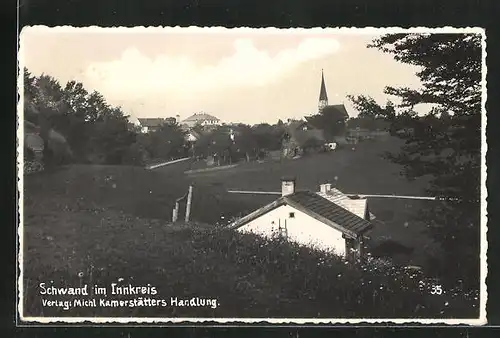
(362, 171)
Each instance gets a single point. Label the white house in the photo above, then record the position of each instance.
(327, 220)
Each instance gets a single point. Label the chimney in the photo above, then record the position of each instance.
(326, 187)
(287, 186)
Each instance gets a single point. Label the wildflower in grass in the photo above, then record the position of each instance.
(80, 274)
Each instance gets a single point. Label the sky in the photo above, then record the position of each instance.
(237, 75)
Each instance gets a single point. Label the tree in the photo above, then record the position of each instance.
(168, 142)
(268, 137)
(369, 108)
(331, 120)
(44, 104)
(447, 141)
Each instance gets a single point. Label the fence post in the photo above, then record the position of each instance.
(175, 212)
(188, 204)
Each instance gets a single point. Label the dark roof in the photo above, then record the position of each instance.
(201, 117)
(294, 130)
(196, 134)
(322, 92)
(151, 122)
(317, 207)
(339, 107)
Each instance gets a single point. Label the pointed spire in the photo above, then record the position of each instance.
(323, 96)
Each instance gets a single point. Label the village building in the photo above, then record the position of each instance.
(201, 119)
(327, 220)
(33, 143)
(148, 125)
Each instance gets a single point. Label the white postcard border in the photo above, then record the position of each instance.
(28, 321)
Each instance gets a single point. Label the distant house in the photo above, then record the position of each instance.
(298, 136)
(190, 134)
(201, 119)
(148, 125)
(34, 143)
(323, 100)
(339, 108)
(170, 120)
(406, 132)
(327, 220)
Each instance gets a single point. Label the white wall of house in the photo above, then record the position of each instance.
(301, 228)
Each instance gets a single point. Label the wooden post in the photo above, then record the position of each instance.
(188, 204)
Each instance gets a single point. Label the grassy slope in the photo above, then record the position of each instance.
(111, 222)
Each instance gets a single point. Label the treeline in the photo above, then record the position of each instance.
(78, 126)
(89, 129)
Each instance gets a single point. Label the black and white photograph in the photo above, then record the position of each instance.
(243, 175)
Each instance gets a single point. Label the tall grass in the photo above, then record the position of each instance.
(97, 225)
(250, 277)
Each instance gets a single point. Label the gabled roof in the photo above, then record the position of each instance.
(33, 141)
(356, 206)
(201, 117)
(316, 207)
(339, 107)
(194, 133)
(151, 122)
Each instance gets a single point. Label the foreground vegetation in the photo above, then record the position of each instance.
(99, 225)
(249, 276)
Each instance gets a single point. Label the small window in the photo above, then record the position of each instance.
(291, 215)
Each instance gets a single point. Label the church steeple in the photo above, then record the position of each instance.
(323, 96)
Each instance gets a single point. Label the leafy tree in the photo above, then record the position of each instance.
(44, 104)
(369, 108)
(168, 142)
(94, 130)
(331, 120)
(312, 144)
(447, 141)
(371, 115)
(110, 138)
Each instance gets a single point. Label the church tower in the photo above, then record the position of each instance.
(323, 97)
